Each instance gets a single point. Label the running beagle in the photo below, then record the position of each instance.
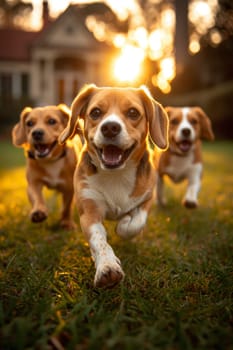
(115, 176)
(183, 159)
(48, 163)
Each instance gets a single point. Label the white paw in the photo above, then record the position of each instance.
(108, 274)
(131, 225)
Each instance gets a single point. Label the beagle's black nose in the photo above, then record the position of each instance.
(110, 129)
(38, 134)
(186, 132)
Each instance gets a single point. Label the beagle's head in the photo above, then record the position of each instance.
(117, 122)
(186, 126)
(38, 129)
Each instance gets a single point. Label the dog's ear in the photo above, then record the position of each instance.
(206, 127)
(157, 118)
(78, 109)
(65, 113)
(169, 110)
(19, 137)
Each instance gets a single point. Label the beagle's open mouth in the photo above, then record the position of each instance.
(185, 145)
(112, 156)
(42, 149)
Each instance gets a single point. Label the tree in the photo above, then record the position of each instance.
(181, 34)
(10, 11)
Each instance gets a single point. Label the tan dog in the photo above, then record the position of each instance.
(48, 163)
(115, 177)
(183, 159)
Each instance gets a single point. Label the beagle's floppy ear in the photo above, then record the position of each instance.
(157, 118)
(206, 128)
(169, 111)
(65, 113)
(19, 137)
(78, 109)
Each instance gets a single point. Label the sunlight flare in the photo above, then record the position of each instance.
(202, 16)
(128, 66)
(167, 67)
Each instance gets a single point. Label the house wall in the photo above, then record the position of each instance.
(48, 79)
(61, 59)
(14, 79)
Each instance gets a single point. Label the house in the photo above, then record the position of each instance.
(50, 66)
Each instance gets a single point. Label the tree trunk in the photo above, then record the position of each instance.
(181, 34)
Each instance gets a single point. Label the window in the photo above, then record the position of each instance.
(25, 84)
(5, 85)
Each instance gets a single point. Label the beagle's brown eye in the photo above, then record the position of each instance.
(174, 121)
(29, 123)
(133, 113)
(95, 113)
(193, 121)
(52, 121)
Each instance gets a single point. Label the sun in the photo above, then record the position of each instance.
(128, 66)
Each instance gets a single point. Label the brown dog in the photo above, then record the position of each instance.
(115, 177)
(48, 163)
(183, 159)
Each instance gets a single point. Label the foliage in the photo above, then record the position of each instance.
(177, 293)
(10, 10)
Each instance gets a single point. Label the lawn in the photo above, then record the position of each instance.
(178, 290)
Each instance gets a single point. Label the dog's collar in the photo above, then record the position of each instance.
(31, 155)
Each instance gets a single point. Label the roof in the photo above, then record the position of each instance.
(15, 44)
(77, 14)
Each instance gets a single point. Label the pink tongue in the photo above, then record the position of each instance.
(185, 146)
(112, 155)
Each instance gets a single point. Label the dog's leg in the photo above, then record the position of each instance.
(39, 209)
(161, 200)
(194, 184)
(66, 219)
(108, 267)
(132, 224)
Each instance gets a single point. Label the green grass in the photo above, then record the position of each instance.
(178, 289)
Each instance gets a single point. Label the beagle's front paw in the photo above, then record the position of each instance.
(38, 216)
(190, 204)
(132, 224)
(108, 275)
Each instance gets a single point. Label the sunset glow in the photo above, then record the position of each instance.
(128, 65)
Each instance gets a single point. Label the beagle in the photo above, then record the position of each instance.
(183, 159)
(47, 162)
(115, 176)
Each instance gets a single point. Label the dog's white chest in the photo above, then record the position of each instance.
(112, 190)
(179, 167)
(53, 179)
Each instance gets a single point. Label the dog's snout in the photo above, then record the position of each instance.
(110, 129)
(186, 132)
(38, 134)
